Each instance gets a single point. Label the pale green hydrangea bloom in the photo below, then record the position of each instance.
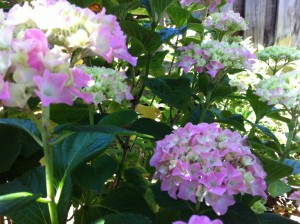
(281, 89)
(108, 84)
(278, 53)
(231, 55)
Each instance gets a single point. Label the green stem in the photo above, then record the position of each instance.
(292, 128)
(141, 90)
(207, 105)
(48, 153)
(197, 208)
(91, 114)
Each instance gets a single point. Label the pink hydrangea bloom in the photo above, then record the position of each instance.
(196, 219)
(41, 68)
(204, 162)
(295, 196)
(74, 27)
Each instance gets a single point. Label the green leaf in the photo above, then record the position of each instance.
(11, 203)
(108, 129)
(149, 40)
(10, 146)
(158, 8)
(165, 201)
(94, 176)
(236, 120)
(35, 212)
(135, 176)
(151, 127)
(239, 213)
(156, 64)
(168, 216)
(62, 113)
(78, 149)
(128, 200)
(33, 182)
(263, 148)
(120, 118)
(236, 214)
(174, 91)
(222, 91)
(275, 114)
(260, 108)
(278, 188)
(195, 116)
(178, 15)
(270, 218)
(267, 132)
(275, 170)
(124, 218)
(122, 10)
(196, 27)
(18, 145)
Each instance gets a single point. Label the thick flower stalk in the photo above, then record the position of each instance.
(213, 56)
(203, 162)
(281, 89)
(225, 22)
(108, 84)
(73, 27)
(196, 219)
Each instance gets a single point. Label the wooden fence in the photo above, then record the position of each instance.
(271, 21)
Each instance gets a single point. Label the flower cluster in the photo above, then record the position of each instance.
(243, 79)
(108, 84)
(278, 53)
(74, 27)
(228, 22)
(295, 196)
(196, 219)
(203, 161)
(214, 56)
(29, 68)
(210, 4)
(281, 89)
(35, 52)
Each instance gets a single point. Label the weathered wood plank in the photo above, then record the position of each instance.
(270, 22)
(255, 12)
(288, 23)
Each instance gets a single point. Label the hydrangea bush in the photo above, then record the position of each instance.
(114, 112)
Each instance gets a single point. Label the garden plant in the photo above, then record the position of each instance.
(140, 112)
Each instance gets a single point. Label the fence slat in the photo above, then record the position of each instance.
(255, 12)
(270, 23)
(288, 23)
